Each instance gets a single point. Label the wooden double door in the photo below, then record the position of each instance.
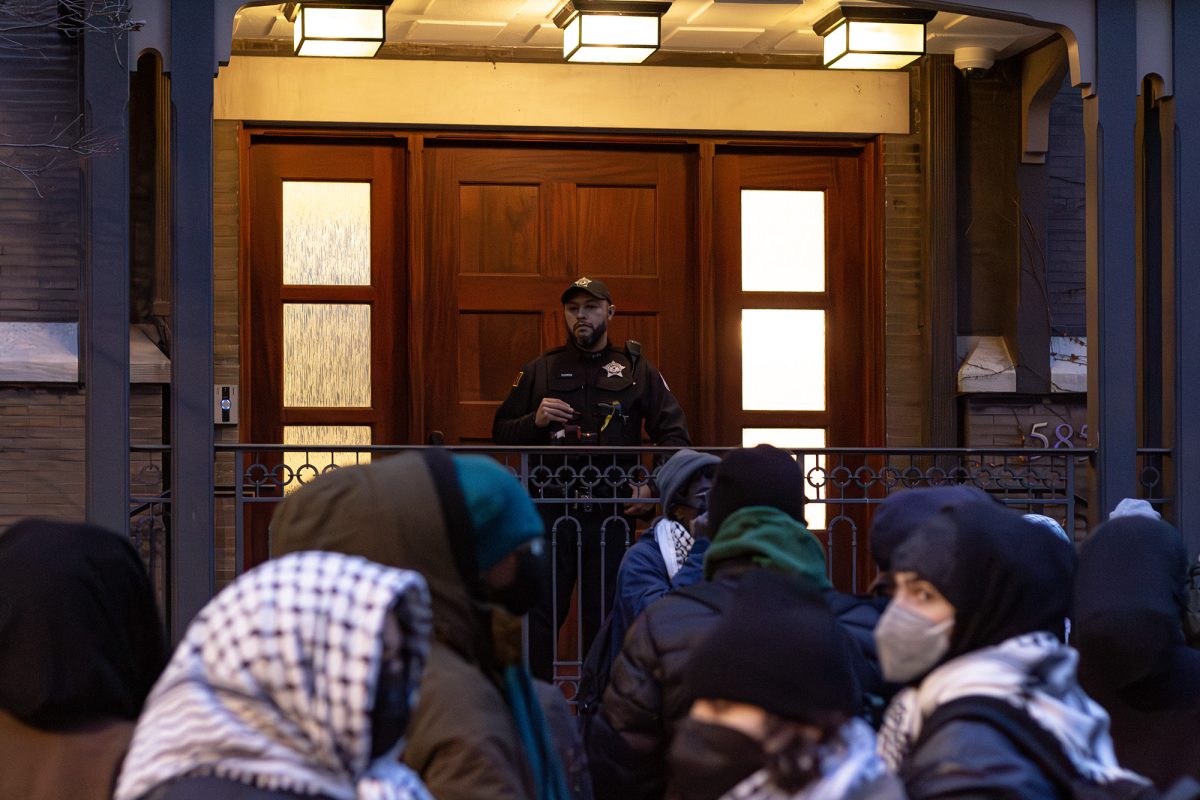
(347, 342)
(393, 286)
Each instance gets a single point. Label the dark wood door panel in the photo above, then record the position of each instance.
(378, 303)
(848, 328)
(510, 227)
(851, 301)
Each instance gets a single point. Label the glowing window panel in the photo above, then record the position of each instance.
(783, 360)
(326, 355)
(326, 233)
(799, 438)
(783, 241)
(305, 465)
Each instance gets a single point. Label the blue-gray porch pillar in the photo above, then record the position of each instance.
(192, 539)
(1186, 300)
(1110, 117)
(105, 340)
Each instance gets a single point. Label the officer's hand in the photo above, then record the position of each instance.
(643, 510)
(551, 409)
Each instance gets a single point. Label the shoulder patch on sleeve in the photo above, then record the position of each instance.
(517, 382)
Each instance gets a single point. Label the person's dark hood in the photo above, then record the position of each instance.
(1129, 600)
(393, 511)
(675, 474)
(903, 512)
(80, 635)
(1002, 573)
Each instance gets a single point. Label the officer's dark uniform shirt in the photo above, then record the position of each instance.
(613, 392)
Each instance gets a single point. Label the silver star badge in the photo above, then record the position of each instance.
(614, 369)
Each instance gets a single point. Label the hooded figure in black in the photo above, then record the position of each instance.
(1129, 604)
(900, 514)
(81, 645)
(993, 707)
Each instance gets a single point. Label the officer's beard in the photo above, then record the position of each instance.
(588, 339)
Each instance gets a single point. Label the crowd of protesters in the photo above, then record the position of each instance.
(379, 653)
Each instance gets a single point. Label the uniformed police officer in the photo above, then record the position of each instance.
(588, 393)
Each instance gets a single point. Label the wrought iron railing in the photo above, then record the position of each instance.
(580, 489)
(1154, 480)
(841, 487)
(149, 512)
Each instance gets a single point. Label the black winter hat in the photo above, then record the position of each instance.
(903, 512)
(758, 476)
(780, 648)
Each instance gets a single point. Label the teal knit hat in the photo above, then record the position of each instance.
(500, 509)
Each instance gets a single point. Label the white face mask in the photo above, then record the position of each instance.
(910, 644)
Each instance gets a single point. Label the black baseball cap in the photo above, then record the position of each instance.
(592, 286)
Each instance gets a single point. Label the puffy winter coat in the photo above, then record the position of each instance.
(642, 579)
(645, 697)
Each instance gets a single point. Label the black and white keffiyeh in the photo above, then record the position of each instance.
(848, 765)
(1035, 673)
(674, 542)
(274, 683)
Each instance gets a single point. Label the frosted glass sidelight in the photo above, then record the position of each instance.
(783, 241)
(326, 233)
(814, 512)
(305, 465)
(326, 355)
(783, 360)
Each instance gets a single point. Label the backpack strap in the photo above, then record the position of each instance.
(1034, 742)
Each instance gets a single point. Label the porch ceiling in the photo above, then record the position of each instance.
(693, 31)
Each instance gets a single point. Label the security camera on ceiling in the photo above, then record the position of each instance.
(974, 62)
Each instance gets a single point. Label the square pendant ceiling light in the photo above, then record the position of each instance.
(601, 31)
(873, 37)
(346, 29)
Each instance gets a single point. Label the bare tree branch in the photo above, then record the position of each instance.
(71, 17)
(33, 159)
(20, 21)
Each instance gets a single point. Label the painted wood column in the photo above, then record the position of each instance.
(192, 538)
(939, 141)
(1110, 118)
(105, 343)
(1186, 300)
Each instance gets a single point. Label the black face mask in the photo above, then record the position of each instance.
(523, 593)
(707, 760)
(389, 717)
